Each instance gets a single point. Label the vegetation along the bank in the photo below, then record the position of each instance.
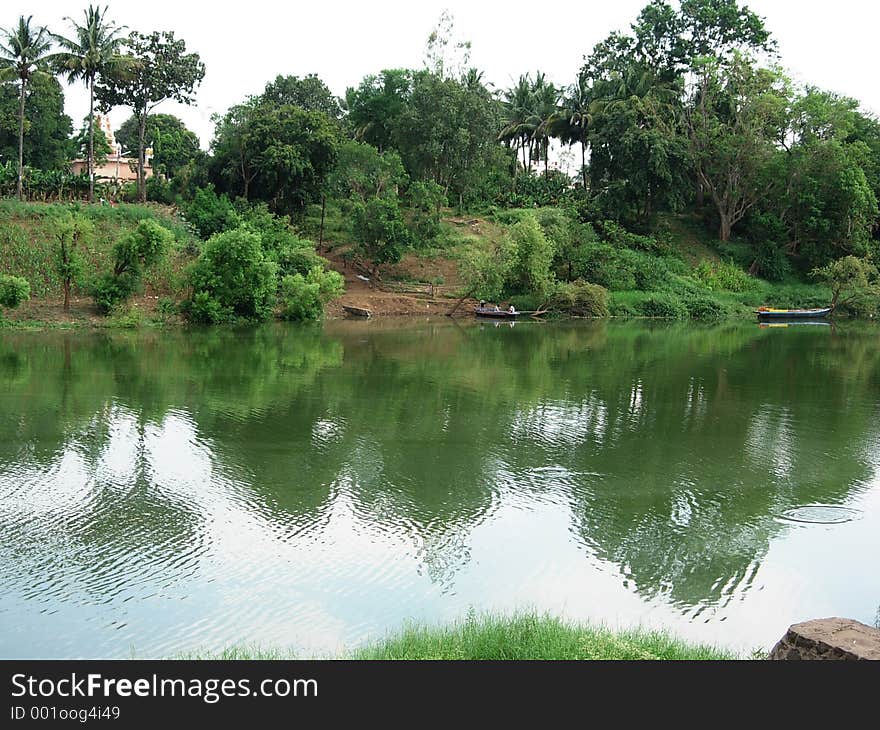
(519, 637)
(708, 181)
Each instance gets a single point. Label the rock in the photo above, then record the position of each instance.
(829, 639)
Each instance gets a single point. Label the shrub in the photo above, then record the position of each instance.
(234, 271)
(109, 290)
(381, 230)
(582, 299)
(426, 199)
(210, 213)
(299, 259)
(724, 276)
(618, 236)
(771, 261)
(705, 308)
(204, 308)
(533, 255)
(140, 249)
(664, 305)
(274, 231)
(13, 291)
(304, 297)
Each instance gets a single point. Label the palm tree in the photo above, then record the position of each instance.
(22, 56)
(94, 51)
(545, 100)
(517, 118)
(575, 118)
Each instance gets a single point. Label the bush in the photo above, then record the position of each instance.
(426, 199)
(724, 276)
(664, 305)
(210, 213)
(274, 231)
(303, 297)
(299, 259)
(203, 308)
(140, 249)
(234, 271)
(618, 236)
(13, 291)
(533, 255)
(772, 262)
(160, 191)
(619, 269)
(705, 308)
(381, 230)
(581, 299)
(110, 290)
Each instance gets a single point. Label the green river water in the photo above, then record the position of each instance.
(314, 488)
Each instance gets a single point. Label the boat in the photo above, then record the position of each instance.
(357, 311)
(492, 314)
(783, 314)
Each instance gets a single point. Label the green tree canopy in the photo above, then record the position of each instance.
(308, 92)
(174, 146)
(158, 69)
(47, 129)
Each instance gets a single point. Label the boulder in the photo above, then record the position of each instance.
(829, 639)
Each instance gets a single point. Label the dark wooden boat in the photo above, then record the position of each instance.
(492, 314)
(357, 311)
(766, 313)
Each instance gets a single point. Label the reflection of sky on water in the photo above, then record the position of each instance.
(159, 537)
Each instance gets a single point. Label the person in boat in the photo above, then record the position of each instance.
(511, 309)
(497, 308)
(482, 304)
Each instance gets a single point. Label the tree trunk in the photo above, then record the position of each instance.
(584, 163)
(142, 174)
(20, 186)
(701, 195)
(323, 209)
(92, 139)
(724, 230)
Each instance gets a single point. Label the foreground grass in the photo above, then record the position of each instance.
(520, 637)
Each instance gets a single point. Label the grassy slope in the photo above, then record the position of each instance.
(520, 637)
(28, 249)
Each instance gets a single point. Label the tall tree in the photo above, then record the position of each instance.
(47, 127)
(23, 54)
(517, 128)
(278, 154)
(574, 120)
(308, 92)
(159, 68)
(92, 52)
(734, 126)
(375, 106)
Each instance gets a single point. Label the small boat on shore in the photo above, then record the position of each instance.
(770, 313)
(357, 311)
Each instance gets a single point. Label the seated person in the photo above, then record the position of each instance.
(511, 309)
(497, 309)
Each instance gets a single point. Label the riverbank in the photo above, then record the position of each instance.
(511, 638)
(679, 277)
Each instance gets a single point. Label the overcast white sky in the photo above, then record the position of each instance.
(245, 44)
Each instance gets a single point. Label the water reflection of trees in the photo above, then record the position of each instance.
(674, 447)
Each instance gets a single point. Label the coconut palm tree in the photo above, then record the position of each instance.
(23, 56)
(92, 52)
(518, 116)
(575, 118)
(545, 108)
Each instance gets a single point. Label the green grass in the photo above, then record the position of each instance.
(524, 636)
(28, 248)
